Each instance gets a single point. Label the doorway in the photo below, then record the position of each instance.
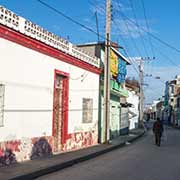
(60, 110)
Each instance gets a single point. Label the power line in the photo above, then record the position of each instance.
(147, 25)
(97, 25)
(76, 22)
(91, 30)
(127, 27)
(97, 7)
(138, 29)
(152, 35)
(168, 58)
(127, 54)
(125, 51)
(131, 61)
(122, 38)
(72, 20)
(69, 18)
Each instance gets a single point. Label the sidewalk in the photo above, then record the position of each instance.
(39, 167)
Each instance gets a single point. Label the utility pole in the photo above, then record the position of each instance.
(106, 119)
(141, 94)
(141, 84)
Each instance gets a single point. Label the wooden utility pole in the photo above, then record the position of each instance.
(106, 119)
(141, 84)
(141, 94)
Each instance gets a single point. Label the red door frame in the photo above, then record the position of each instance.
(64, 133)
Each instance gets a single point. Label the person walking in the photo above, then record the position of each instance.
(158, 130)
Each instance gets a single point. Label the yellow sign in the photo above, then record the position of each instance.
(113, 63)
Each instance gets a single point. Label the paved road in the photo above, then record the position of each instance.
(141, 160)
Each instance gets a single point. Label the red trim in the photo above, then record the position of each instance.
(54, 95)
(36, 45)
(64, 133)
(61, 73)
(65, 109)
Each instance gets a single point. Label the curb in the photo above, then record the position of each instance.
(134, 139)
(72, 162)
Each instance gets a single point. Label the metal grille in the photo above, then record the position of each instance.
(2, 91)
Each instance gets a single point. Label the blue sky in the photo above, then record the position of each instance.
(163, 20)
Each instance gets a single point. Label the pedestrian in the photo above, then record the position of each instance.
(158, 130)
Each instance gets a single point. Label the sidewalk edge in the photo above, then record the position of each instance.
(72, 162)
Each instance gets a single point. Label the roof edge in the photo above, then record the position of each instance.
(121, 56)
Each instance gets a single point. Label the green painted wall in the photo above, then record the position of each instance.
(114, 116)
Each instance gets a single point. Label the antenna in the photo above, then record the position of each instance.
(97, 26)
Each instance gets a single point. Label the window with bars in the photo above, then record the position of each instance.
(87, 110)
(2, 91)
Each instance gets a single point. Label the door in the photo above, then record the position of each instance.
(114, 119)
(58, 112)
(124, 122)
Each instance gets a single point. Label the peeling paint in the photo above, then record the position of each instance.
(24, 149)
(7, 157)
(80, 140)
(29, 148)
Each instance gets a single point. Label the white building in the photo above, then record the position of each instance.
(48, 91)
(133, 101)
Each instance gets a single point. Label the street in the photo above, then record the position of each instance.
(141, 160)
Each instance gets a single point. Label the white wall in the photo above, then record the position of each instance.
(133, 99)
(29, 84)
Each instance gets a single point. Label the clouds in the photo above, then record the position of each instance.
(128, 29)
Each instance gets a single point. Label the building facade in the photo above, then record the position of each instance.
(49, 92)
(171, 108)
(133, 101)
(119, 121)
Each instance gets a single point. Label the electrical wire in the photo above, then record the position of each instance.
(128, 29)
(147, 25)
(79, 77)
(140, 34)
(91, 30)
(138, 30)
(97, 7)
(167, 58)
(131, 62)
(74, 21)
(153, 36)
(70, 18)
(125, 51)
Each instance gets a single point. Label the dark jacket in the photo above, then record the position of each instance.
(158, 127)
